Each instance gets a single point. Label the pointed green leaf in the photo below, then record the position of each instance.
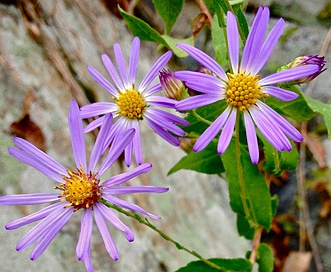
(226, 265)
(219, 42)
(141, 29)
(275, 161)
(210, 113)
(171, 44)
(265, 258)
(322, 109)
(243, 227)
(257, 195)
(297, 109)
(169, 11)
(206, 161)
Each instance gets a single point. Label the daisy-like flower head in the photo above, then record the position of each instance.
(79, 189)
(242, 88)
(133, 103)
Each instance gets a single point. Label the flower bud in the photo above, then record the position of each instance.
(307, 60)
(172, 87)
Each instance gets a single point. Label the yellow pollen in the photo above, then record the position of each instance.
(131, 104)
(81, 190)
(243, 91)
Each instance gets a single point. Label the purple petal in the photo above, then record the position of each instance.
(41, 156)
(27, 199)
(42, 227)
(289, 75)
(94, 124)
(137, 189)
(209, 134)
(226, 135)
(283, 124)
(162, 132)
(203, 59)
(83, 245)
(167, 116)
(124, 177)
(113, 219)
(253, 146)
(136, 142)
(102, 81)
(127, 205)
(201, 82)
(196, 101)
(113, 73)
(120, 60)
(233, 41)
(280, 93)
(50, 234)
(98, 108)
(15, 224)
(268, 46)
(154, 89)
(35, 161)
(88, 261)
(98, 149)
(77, 135)
(158, 118)
(128, 154)
(270, 130)
(108, 241)
(255, 39)
(159, 64)
(161, 101)
(133, 64)
(116, 150)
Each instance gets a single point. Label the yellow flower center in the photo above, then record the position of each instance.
(81, 190)
(131, 104)
(243, 91)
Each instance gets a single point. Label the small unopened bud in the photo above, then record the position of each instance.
(307, 60)
(172, 87)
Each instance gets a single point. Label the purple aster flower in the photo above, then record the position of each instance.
(80, 189)
(133, 103)
(243, 89)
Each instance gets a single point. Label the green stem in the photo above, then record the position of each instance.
(161, 233)
(196, 115)
(240, 171)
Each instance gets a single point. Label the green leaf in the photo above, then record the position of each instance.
(322, 109)
(169, 11)
(226, 265)
(265, 258)
(206, 161)
(298, 109)
(141, 29)
(275, 161)
(171, 44)
(219, 42)
(257, 195)
(242, 23)
(301, 109)
(243, 227)
(209, 112)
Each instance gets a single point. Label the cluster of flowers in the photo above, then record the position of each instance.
(82, 188)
